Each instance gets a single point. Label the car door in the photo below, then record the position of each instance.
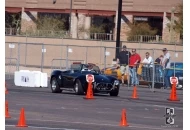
(68, 79)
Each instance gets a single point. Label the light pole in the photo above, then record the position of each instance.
(71, 1)
(118, 27)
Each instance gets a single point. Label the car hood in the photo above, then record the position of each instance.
(102, 78)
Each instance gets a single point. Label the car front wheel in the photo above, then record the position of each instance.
(55, 86)
(78, 88)
(114, 92)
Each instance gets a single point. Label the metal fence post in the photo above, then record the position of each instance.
(26, 47)
(86, 54)
(10, 62)
(153, 75)
(174, 59)
(104, 58)
(61, 62)
(42, 59)
(18, 61)
(67, 56)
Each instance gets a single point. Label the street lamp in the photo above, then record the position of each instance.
(118, 27)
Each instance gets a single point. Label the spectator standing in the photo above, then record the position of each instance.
(148, 61)
(166, 65)
(147, 67)
(123, 61)
(134, 60)
(159, 59)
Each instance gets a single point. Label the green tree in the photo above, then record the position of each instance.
(179, 22)
(51, 23)
(13, 20)
(140, 29)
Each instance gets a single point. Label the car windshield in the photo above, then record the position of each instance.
(76, 67)
(91, 67)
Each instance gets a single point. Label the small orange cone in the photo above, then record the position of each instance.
(134, 95)
(22, 122)
(89, 94)
(7, 110)
(173, 95)
(123, 121)
(6, 91)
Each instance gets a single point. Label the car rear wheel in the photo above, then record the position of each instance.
(78, 88)
(55, 86)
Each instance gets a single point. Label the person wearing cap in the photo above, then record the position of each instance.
(123, 62)
(166, 65)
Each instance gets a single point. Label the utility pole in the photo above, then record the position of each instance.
(71, 1)
(118, 27)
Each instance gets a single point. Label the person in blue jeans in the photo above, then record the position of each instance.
(166, 65)
(134, 61)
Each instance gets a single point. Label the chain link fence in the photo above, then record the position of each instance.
(11, 65)
(35, 55)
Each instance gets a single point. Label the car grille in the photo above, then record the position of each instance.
(103, 86)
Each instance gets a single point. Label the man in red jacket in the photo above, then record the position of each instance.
(134, 61)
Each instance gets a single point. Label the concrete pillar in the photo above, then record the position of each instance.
(28, 21)
(74, 25)
(125, 21)
(165, 30)
(87, 25)
(115, 28)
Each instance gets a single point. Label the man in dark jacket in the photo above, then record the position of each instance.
(123, 61)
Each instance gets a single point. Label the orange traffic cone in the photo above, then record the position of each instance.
(134, 95)
(22, 122)
(7, 110)
(6, 91)
(123, 121)
(89, 94)
(173, 95)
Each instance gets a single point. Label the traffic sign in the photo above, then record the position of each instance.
(173, 80)
(11, 45)
(90, 78)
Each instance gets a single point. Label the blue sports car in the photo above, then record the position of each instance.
(75, 79)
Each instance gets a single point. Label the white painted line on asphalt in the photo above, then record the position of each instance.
(161, 106)
(149, 128)
(153, 118)
(48, 128)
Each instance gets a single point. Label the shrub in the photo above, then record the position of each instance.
(140, 29)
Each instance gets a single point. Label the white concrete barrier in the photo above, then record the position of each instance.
(28, 78)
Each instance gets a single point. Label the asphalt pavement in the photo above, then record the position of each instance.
(66, 111)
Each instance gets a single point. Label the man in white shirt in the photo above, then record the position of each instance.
(166, 65)
(147, 67)
(148, 61)
(166, 59)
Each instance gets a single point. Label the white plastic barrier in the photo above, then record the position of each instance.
(30, 78)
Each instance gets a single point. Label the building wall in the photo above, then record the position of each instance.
(128, 5)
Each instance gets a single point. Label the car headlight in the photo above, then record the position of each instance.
(116, 82)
